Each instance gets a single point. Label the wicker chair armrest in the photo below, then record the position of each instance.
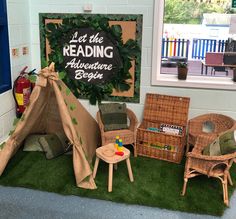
(198, 156)
(202, 141)
(133, 120)
(100, 123)
(231, 129)
(220, 158)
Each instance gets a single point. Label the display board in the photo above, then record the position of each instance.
(97, 56)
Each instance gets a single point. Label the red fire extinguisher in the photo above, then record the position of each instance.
(21, 92)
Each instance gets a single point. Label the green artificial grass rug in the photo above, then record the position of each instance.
(156, 183)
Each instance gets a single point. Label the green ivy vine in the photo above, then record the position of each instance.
(128, 51)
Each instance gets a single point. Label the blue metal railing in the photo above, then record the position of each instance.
(199, 47)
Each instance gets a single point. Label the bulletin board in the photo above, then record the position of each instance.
(97, 56)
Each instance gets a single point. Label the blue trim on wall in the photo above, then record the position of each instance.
(5, 72)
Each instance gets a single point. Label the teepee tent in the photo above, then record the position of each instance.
(53, 108)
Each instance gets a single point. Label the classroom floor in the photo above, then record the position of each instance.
(21, 203)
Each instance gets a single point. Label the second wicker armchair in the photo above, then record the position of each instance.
(212, 166)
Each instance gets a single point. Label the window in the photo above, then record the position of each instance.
(159, 77)
(5, 74)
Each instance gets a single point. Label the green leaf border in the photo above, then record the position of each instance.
(129, 51)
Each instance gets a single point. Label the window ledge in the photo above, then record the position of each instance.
(195, 82)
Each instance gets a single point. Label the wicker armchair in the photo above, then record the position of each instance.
(212, 166)
(128, 136)
(195, 126)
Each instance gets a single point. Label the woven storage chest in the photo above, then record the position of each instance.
(161, 111)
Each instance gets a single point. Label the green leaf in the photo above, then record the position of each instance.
(72, 107)
(2, 145)
(68, 91)
(103, 23)
(44, 62)
(22, 118)
(51, 27)
(108, 88)
(127, 65)
(124, 87)
(74, 121)
(16, 120)
(80, 140)
(60, 58)
(66, 21)
(59, 86)
(92, 99)
(11, 132)
(33, 78)
(117, 31)
(62, 75)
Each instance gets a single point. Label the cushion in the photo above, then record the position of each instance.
(113, 116)
(224, 144)
(32, 143)
(54, 145)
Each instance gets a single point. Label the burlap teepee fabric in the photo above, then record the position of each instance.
(53, 108)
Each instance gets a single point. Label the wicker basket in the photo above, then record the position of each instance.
(163, 110)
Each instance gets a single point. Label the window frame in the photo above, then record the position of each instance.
(158, 79)
(5, 71)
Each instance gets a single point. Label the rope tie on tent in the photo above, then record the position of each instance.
(46, 74)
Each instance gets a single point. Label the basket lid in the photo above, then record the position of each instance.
(166, 109)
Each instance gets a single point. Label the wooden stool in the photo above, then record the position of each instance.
(107, 154)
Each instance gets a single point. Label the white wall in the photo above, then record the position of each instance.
(19, 37)
(202, 100)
